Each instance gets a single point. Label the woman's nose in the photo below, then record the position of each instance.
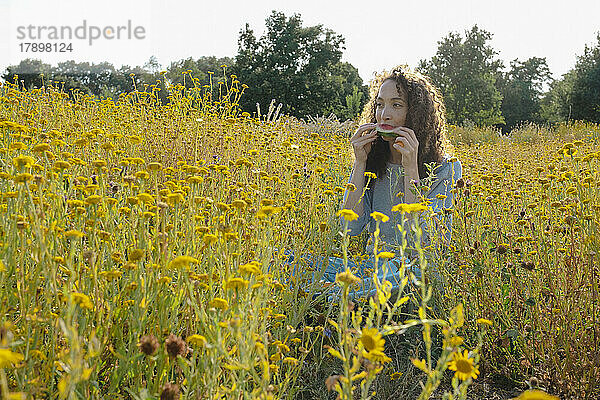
(387, 113)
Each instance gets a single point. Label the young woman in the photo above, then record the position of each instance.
(409, 163)
(407, 105)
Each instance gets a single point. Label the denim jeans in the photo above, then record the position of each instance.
(326, 269)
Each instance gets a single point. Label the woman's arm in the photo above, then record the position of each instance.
(410, 176)
(352, 199)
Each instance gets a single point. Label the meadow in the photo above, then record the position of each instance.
(142, 257)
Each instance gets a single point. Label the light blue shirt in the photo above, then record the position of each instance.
(382, 197)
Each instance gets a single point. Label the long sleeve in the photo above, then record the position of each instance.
(441, 196)
(358, 225)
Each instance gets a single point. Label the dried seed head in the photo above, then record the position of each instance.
(502, 248)
(175, 346)
(534, 382)
(528, 265)
(148, 344)
(460, 183)
(89, 256)
(331, 381)
(170, 391)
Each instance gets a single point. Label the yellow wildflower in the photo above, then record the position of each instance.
(236, 283)
(82, 300)
(347, 277)
(348, 215)
(408, 208)
(182, 262)
(9, 358)
(197, 340)
(371, 339)
(464, 366)
(220, 303)
(380, 217)
(535, 395)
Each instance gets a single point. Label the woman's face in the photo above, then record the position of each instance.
(391, 107)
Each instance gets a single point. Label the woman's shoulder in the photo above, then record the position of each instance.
(450, 165)
(450, 169)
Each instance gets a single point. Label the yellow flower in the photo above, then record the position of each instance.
(40, 147)
(484, 321)
(236, 283)
(145, 198)
(220, 303)
(93, 199)
(61, 165)
(395, 375)
(23, 177)
(386, 254)
(377, 356)
(348, 215)
(209, 238)
(347, 277)
(535, 395)
(182, 262)
(380, 217)
(73, 234)
(267, 211)
(135, 254)
(9, 358)
(408, 208)
(238, 203)
(463, 365)
(371, 339)
(23, 161)
(99, 163)
(155, 166)
(82, 300)
(290, 360)
(196, 340)
(370, 175)
(250, 268)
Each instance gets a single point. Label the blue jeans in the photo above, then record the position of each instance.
(325, 270)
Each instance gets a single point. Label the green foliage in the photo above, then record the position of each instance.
(577, 94)
(466, 72)
(199, 68)
(522, 90)
(556, 105)
(586, 87)
(101, 80)
(297, 66)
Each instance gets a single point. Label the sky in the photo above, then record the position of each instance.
(378, 34)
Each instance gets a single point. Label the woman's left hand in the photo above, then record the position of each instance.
(410, 150)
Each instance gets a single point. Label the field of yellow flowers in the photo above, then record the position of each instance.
(142, 257)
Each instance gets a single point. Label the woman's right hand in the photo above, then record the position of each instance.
(362, 141)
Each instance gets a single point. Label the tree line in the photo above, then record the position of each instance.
(301, 68)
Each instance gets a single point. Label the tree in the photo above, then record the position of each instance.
(297, 66)
(466, 73)
(586, 86)
(556, 105)
(200, 69)
(522, 90)
(30, 72)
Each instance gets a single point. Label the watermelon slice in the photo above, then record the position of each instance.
(386, 131)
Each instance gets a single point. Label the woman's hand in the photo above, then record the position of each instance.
(407, 145)
(361, 141)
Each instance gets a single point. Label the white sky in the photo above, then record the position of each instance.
(379, 34)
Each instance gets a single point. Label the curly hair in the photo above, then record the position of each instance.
(426, 117)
